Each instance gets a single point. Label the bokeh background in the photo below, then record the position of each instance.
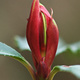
(13, 21)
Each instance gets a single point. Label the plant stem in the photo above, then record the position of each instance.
(29, 68)
(52, 73)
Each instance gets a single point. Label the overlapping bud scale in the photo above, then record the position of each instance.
(42, 36)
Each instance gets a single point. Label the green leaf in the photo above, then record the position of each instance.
(6, 50)
(61, 43)
(73, 69)
(61, 46)
(72, 48)
(21, 43)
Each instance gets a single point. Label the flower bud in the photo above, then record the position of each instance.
(42, 36)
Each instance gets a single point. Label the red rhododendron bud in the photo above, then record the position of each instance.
(42, 36)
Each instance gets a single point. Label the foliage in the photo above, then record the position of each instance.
(22, 44)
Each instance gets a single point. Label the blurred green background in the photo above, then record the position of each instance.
(13, 21)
